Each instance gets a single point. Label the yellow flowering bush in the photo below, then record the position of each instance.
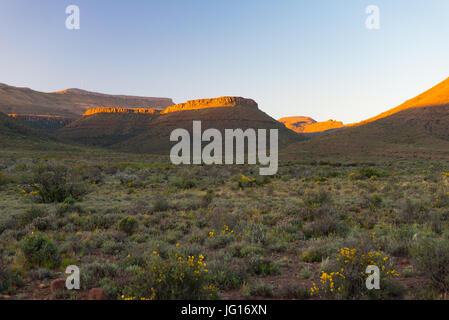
(220, 239)
(176, 277)
(348, 281)
(245, 178)
(244, 181)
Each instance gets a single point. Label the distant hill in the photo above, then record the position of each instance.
(417, 128)
(302, 124)
(69, 103)
(150, 132)
(297, 123)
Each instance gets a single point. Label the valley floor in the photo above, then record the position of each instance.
(140, 228)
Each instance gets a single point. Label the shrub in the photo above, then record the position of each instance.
(413, 210)
(8, 279)
(262, 289)
(28, 216)
(228, 273)
(263, 267)
(245, 181)
(110, 288)
(40, 251)
(319, 250)
(175, 277)
(317, 199)
(366, 173)
(93, 175)
(4, 180)
(293, 291)
(43, 223)
(182, 183)
(56, 183)
(432, 258)
(41, 274)
(160, 205)
(325, 227)
(207, 198)
(93, 273)
(128, 225)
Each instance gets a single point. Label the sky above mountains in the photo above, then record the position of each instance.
(313, 58)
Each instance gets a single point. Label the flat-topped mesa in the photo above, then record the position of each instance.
(211, 103)
(120, 110)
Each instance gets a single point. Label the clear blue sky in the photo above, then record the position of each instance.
(313, 57)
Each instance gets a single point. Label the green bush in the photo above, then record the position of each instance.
(325, 227)
(128, 225)
(294, 291)
(40, 251)
(30, 215)
(160, 205)
(432, 258)
(229, 273)
(8, 279)
(4, 180)
(263, 267)
(182, 182)
(261, 289)
(56, 183)
(93, 274)
(207, 198)
(367, 173)
(317, 199)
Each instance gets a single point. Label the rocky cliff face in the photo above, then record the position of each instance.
(120, 110)
(211, 103)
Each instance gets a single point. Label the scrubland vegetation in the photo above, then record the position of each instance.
(141, 228)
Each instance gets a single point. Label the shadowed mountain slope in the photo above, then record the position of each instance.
(14, 134)
(150, 133)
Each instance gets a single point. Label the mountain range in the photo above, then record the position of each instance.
(418, 128)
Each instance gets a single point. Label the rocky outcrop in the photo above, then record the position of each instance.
(211, 103)
(57, 285)
(120, 110)
(97, 294)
